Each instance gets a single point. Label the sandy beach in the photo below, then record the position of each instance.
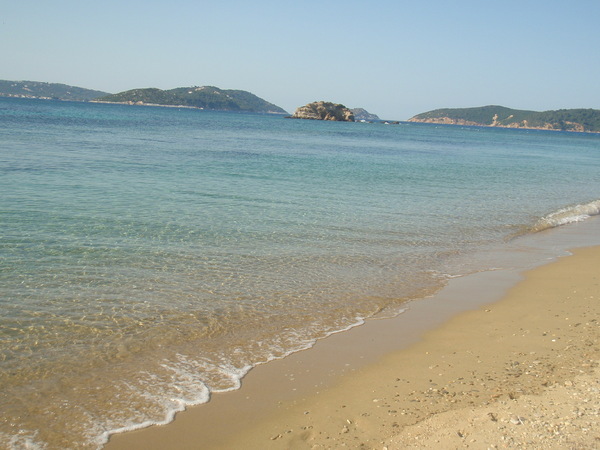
(518, 372)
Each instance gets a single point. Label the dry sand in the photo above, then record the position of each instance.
(518, 373)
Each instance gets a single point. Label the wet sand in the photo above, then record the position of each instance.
(517, 370)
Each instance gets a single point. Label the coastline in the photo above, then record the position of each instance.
(130, 103)
(521, 373)
(367, 385)
(466, 123)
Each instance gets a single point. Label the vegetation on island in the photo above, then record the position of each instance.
(55, 91)
(214, 98)
(361, 114)
(583, 120)
(204, 97)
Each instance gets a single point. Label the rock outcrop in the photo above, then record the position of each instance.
(324, 111)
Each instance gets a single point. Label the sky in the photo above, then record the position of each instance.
(396, 59)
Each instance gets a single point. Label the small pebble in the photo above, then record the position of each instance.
(516, 420)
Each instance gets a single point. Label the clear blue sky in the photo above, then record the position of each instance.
(393, 58)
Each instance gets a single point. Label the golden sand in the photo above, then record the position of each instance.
(517, 373)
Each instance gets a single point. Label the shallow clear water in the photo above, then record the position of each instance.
(150, 256)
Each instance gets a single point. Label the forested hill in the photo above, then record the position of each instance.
(38, 89)
(206, 97)
(583, 120)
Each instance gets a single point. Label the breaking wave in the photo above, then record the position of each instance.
(568, 215)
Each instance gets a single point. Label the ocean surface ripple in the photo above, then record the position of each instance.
(150, 257)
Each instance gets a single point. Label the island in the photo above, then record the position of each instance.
(47, 91)
(324, 111)
(362, 115)
(202, 97)
(579, 120)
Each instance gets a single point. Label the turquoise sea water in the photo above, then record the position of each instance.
(150, 256)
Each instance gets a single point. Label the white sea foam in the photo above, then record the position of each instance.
(195, 391)
(568, 215)
(21, 440)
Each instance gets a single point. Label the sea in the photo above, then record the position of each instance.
(150, 257)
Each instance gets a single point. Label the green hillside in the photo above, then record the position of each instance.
(206, 97)
(587, 120)
(38, 89)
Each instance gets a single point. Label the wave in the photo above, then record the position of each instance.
(568, 215)
(190, 374)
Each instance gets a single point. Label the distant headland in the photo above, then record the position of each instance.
(203, 97)
(47, 91)
(214, 98)
(580, 120)
(362, 115)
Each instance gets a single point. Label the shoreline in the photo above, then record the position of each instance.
(317, 379)
(132, 103)
(521, 372)
(462, 123)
